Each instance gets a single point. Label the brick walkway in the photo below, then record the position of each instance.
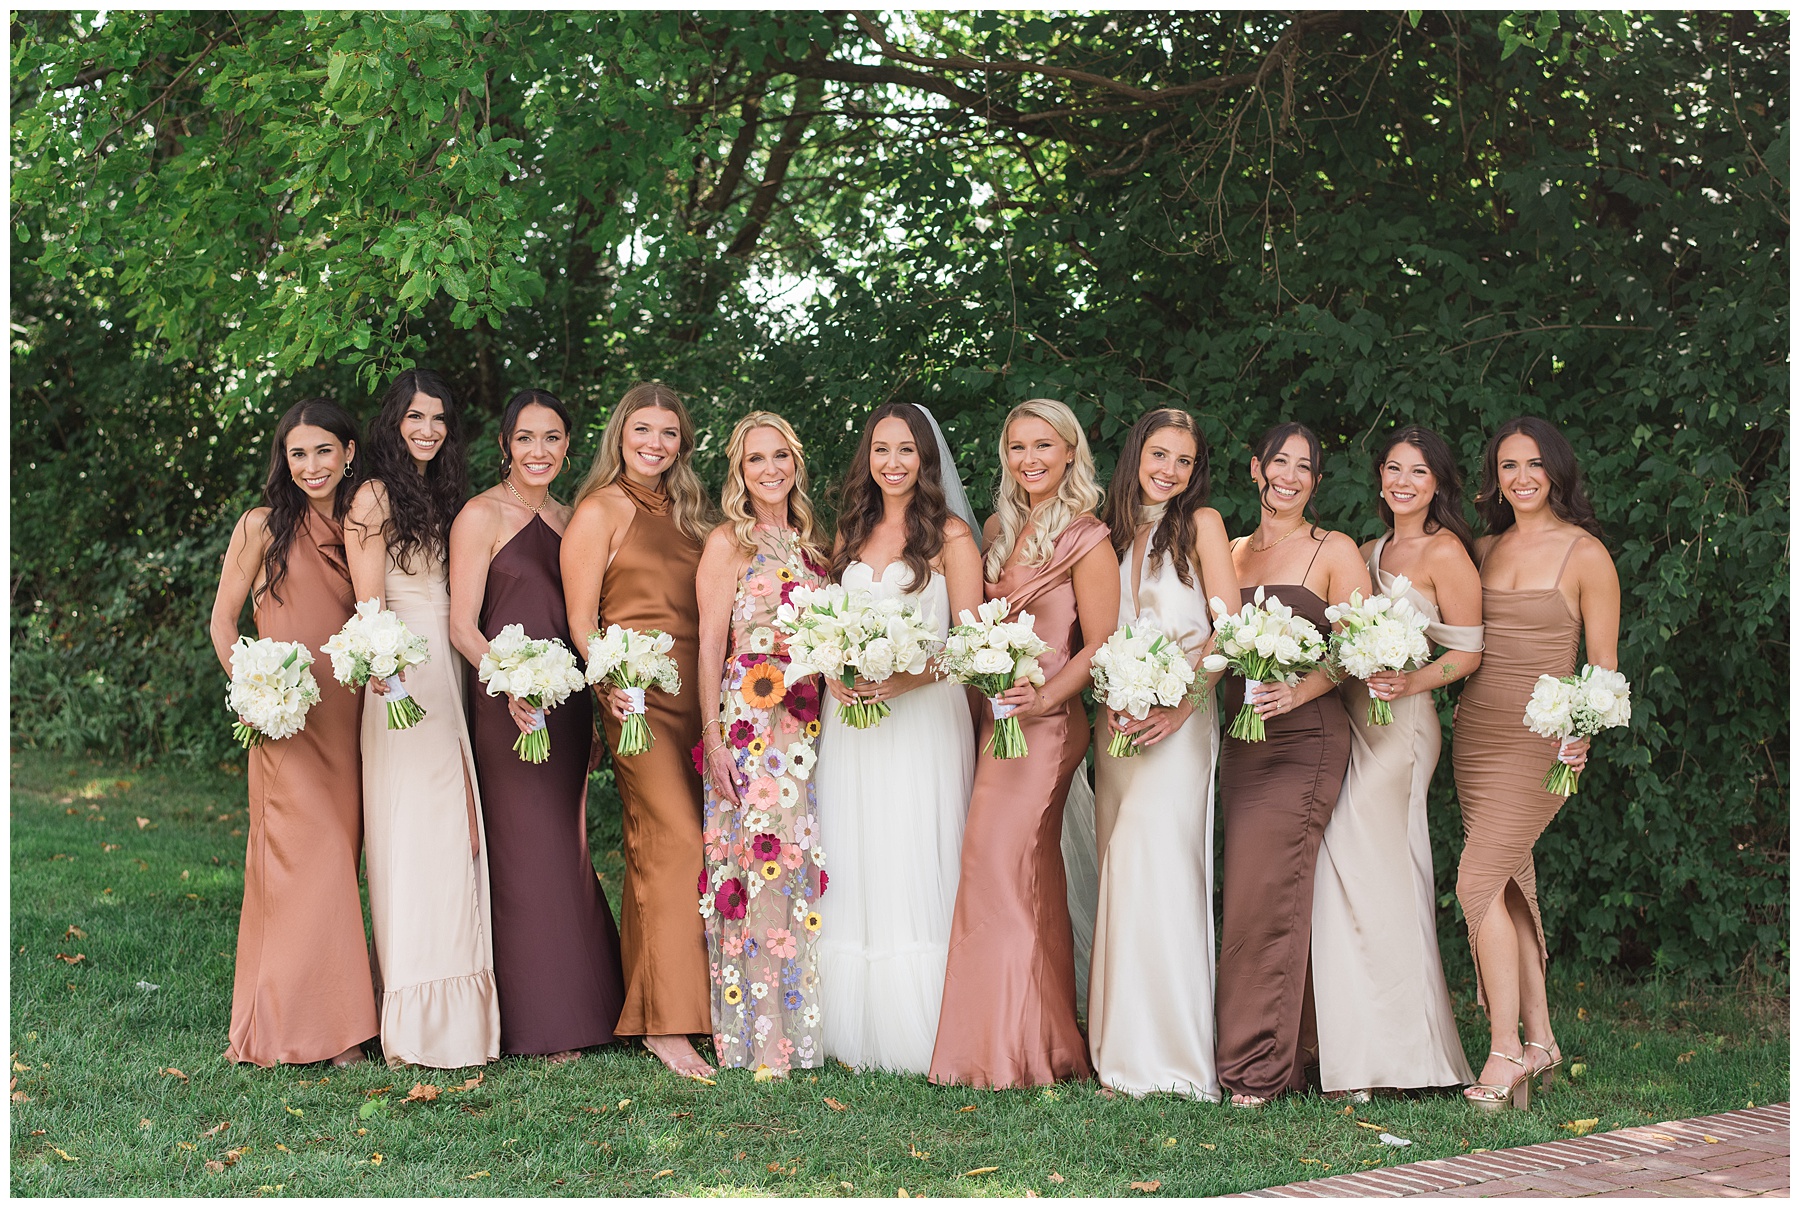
(1740, 1153)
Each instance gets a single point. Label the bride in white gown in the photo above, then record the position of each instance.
(892, 798)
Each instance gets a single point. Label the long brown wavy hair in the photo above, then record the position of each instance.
(734, 500)
(688, 505)
(1268, 445)
(286, 502)
(1568, 499)
(861, 504)
(1174, 537)
(1444, 512)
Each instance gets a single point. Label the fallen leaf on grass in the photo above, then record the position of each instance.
(231, 1156)
(1170, 1143)
(1151, 1186)
(142, 823)
(71, 960)
(917, 1152)
(74, 933)
(1684, 1058)
(1577, 1070)
(189, 1145)
(901, 1194)
(969, 1108)
(144, 985)
(1388, 1138)
(470, 1085)
(1365, 1124)
(216, 1129)
(282, 1148)
(172, 1072)
(835, 1106)
(1581, 1013)
(109, 847)
(680, 1115)
(479, 1174)
(1031, 1193)
(623, 1104)
(144, 1124)
(1581, 1128)
(1206, 1145)
(380, 1090)
(19, 1067)
(764, 1074)
(20, 1097)
(661, 1174)
(374, 1159)
(64, 1154)
(421, 1093)
(979, 1170)
(215, 1167)
(1057, 1178)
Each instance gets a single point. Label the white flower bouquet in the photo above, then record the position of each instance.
(1576, 706)
(272, 687)
(990, 653)
(633, 661)
(1262, 641)
(843, 634)
(376, 644)
(539, 671)
(1381, 633)
(1134, 671)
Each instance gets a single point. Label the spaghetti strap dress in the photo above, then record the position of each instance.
(556, 951)
(302, 991)
(1276, 797)
(1500, 764)
(1008, 1014)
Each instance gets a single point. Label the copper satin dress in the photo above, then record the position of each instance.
(1276, 797)
(1499, 764)
(426, 858)
(302, 990)
(556, 951)
(662, 940)
(1386, 1018)
(1008, 1015)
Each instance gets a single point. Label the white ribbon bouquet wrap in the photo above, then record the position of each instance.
(1262, 641)
(990, 653)
(376, 644)
(1381, 633)
(539, 671)
(1576, 706)
(1136, 670)
(633, 661)
(272, 687)
(840, 633)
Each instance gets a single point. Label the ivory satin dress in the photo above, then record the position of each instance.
(1008, 1016)
(1150, 990)
(1385, 1018)
(1499, 764)
(425, 851)
(301, 991)
(662, 940)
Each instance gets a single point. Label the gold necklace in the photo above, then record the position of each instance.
(1257, 549)
(515, 494)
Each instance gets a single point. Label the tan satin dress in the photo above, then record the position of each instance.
(1008, 1015)
(1384, 1012)
(1150, 993)
(1499, 764)
(425, 852)
(302, 990)
(662, 939)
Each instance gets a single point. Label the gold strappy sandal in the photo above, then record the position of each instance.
(1548, 1070)
(1492, 1097)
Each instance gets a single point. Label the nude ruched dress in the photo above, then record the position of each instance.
(1008, 1015)
(662, 939)
(1384, 1017)
(1499, 764)
(302, 991)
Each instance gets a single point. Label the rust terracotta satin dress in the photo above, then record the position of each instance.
(1499, 764)
(556, 951)
(1008, 1015)
(662, 939)
(302, 991)
(1276, 797)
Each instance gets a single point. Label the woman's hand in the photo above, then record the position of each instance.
(1158, 724)
(523, 715)
(1574, 752)
(722, 771)
(895, 685)
(1390, 685)
(615, 701)
(1274, 698)
(1025, 699)
(379, 686)
(839, 693)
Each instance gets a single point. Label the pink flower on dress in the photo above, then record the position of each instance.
(781, 943)
(765, 847)
(763, 793)
(785, 1047)
(806, 831)
(759, 586)
(792, 858)
(698, 756)
(790, 725)
(734, 945)
(731, 901)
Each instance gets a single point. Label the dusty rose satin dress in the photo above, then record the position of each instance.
(302, 991)
(1008, 1016)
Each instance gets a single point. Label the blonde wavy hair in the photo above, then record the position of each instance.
(688, 504)
(1077, 494)
(735, 499)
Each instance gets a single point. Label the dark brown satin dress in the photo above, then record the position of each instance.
(1499, 764)
(1276, 797)
(302, 991)
(650, 585)
(1008, 1015)
(556, 951)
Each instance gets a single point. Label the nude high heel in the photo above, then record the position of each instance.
(1492, 1097)
(1548, 1070)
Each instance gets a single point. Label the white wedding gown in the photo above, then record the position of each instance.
(892, 800)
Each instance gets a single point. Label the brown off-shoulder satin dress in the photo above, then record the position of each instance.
(556, 951)
(1276, 797)
(1499, 764)
(662, 938)
(1008, 1015)
(302, 991)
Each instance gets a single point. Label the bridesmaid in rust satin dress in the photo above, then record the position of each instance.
(629, 559)
(302, 991)
(1278, 794)
(1008, 1015)
(556, 950)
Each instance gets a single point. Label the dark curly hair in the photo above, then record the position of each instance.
(860, 505)
(1567, 498)
(1446, 509)
(420, 507)
(1175, 536)
(286, 502)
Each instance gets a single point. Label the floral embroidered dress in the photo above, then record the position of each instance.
(765, 869)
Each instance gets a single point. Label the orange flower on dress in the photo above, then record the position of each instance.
(763, 686)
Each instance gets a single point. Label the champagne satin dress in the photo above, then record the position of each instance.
(1385, 1018)
(662, 940)
(1277, 795)
(1499, 764)
(302, 991)
(1150, 994)
(426, 857)
(1008, 1015)
(556, 951)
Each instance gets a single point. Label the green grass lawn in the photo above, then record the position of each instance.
(136, 876)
